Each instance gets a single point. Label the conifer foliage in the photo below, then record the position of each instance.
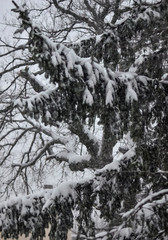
(116, 80)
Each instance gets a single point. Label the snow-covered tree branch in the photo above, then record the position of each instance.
(99, 103)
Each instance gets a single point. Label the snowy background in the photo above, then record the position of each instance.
(5, 7)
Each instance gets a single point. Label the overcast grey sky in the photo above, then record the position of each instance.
(5, 7)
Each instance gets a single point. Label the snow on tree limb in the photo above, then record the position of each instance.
(129, 191)
(107, 45)
(63, 68)
(35, 83)
(84, 90)
(36, 211)
(146, 211)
